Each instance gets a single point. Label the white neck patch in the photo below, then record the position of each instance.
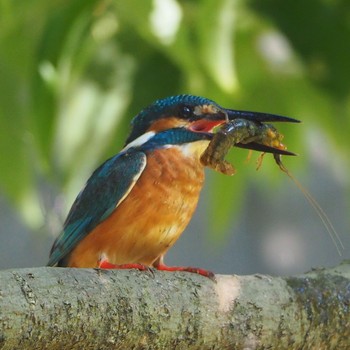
(140, 140)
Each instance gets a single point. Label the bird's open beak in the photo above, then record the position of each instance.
(208, 124)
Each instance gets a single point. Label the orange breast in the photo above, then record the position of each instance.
(151, 218)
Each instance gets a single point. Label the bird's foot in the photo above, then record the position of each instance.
(105, 264)
(199, 271)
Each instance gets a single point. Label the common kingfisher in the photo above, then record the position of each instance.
(136, 204)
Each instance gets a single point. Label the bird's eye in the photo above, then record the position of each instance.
(186, 111)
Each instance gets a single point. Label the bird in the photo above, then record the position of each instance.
(135, 205)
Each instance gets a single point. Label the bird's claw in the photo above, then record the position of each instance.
(196, 270)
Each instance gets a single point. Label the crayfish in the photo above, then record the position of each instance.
(239, 133)
(263, 137)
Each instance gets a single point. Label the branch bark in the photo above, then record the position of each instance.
(61, 308)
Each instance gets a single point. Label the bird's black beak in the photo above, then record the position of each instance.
(258, 116)
(209, 121)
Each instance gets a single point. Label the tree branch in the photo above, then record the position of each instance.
(57, 308)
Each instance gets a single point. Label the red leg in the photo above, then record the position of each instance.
(105, 264)
(205, 273)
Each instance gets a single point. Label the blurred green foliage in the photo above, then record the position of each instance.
(74, 73)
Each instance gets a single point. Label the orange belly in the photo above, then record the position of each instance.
(151, 218)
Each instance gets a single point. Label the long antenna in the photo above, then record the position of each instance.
(316, 206)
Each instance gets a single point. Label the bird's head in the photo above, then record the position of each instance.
(187, 116)
(194, 113)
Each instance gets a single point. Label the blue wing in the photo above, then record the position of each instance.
(105, 189)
